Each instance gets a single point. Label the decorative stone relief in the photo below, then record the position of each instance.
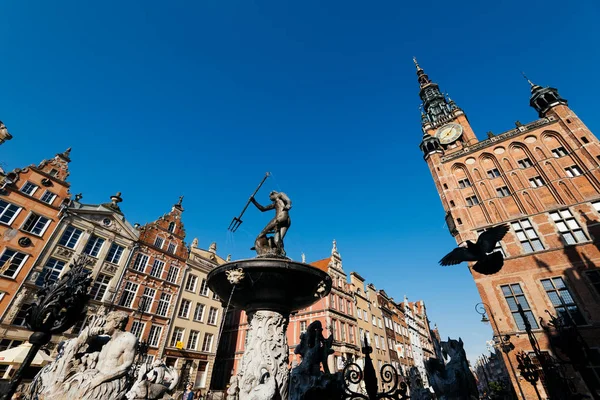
(110, 268)
(153, 381)
(264, 371)
(61, 251)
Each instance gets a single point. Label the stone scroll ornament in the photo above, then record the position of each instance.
(264, 369)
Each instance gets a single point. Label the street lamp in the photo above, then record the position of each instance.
(501, 341)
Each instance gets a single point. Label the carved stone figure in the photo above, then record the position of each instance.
(233, 390)
(272, 246)
(213, 248)
(92, 366)
(264, 369)
(307, 380)
(153, 381)
(195, 243)
(452, 380)
(4, 134)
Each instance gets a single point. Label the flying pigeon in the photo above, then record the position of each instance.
(488, 263)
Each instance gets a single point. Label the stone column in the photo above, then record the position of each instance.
(264, 372)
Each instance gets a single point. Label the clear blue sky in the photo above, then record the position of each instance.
(201, 98)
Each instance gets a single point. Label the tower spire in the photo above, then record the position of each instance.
(436, 108)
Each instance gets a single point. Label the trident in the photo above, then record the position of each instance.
(237, 221)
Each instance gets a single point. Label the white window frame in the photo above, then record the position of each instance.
(187, 283)
(71, 235)
(35, 188)
(148, 296)
(49, 268)
(524, 235)
(157, 268)
(3, 211)
(139, 267)
(139, 332)
(129, 291)
(173, 270)
(184, 309)
(100, 285)
(165, 298)
(202, 307)
(117, 254)
(154, 335)
(161, 240)
(172, 245)
(210, 314)
(193, 336)
(99, 249)
(39, 217)
(52, 198)
(211, 338)
(11, 259)
(178, 336)
(559, 152)
(567, 224)
(204, 288)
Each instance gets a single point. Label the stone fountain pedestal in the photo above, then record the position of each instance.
(268, 290)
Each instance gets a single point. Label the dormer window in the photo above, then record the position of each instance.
(172, 227)
(53, 172)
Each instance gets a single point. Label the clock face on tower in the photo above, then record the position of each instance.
(449, 133)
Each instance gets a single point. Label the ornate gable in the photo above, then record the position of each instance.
(57, 167)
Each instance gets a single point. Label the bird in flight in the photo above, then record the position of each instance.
(488, 261)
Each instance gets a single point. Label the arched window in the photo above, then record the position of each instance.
(172, 227)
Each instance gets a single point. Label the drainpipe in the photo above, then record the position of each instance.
(65, 213)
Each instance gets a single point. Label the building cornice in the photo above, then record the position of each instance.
(499, 138)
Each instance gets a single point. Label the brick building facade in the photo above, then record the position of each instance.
(149, 286)
(32, 201)
(543, 179)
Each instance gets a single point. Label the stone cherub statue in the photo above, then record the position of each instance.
(272, 246)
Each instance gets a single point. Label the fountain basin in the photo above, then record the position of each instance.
(274, 284)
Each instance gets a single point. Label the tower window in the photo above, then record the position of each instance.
(502, 191)
(472, 201)
(459, 221)
(452, 203)
(536, 182)
(563, 302)
(568, 121)
(568, 227)
(572, 171)
(527, 236)
(172, 227)
(493, 173)
(445, 186)
(524, 163)
(53, 172)
(514, 295)
(559, 152)
(464, 183)
(584, 139)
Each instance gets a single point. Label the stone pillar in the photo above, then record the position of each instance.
(264, 372)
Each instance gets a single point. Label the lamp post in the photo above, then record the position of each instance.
(501, 341)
